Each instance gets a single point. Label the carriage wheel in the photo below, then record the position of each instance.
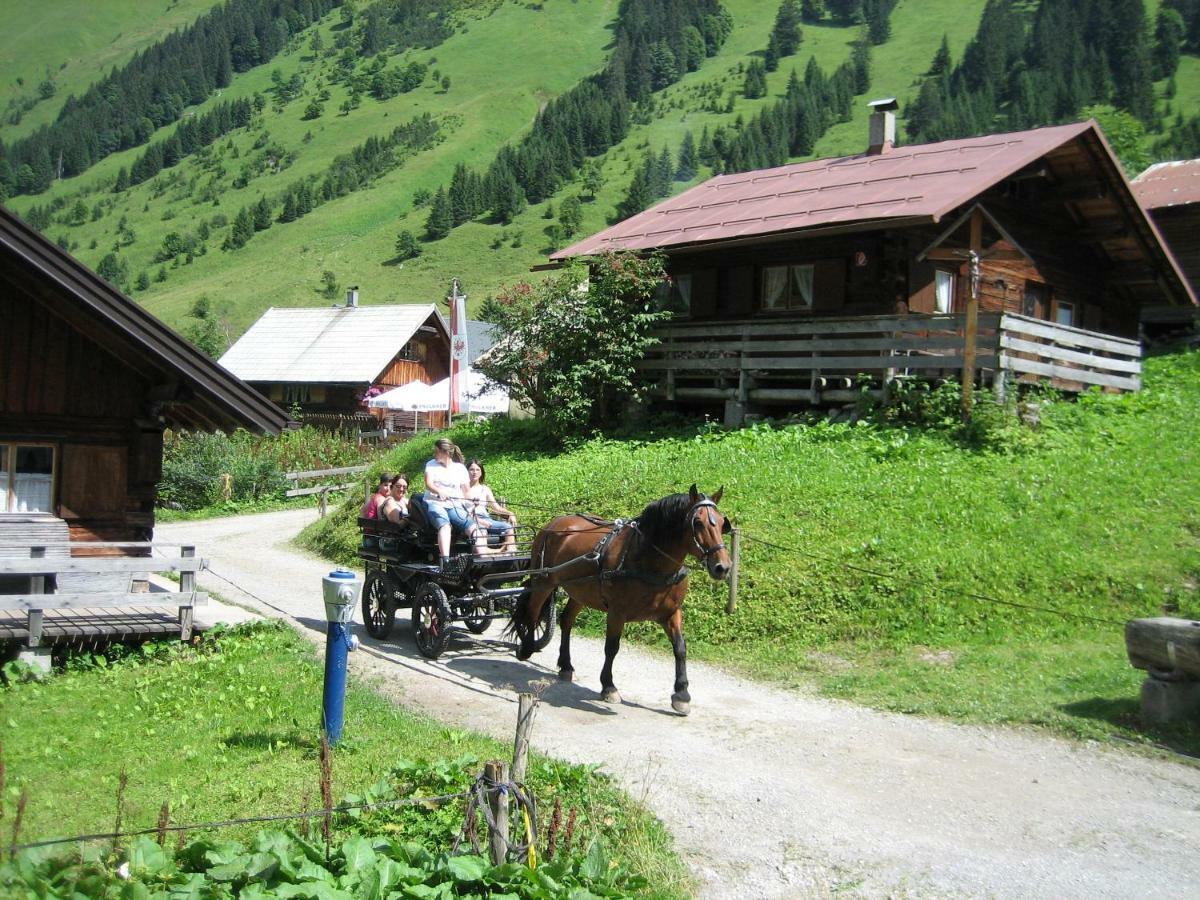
(378, 608)
(431, 620)
(543, 629)
(477, 620)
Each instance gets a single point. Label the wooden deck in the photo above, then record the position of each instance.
(88, 627)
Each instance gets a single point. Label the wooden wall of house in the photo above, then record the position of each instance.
(1180, 227)
(61, 389)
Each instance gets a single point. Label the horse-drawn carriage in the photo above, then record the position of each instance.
(631, 570)
(403, 571)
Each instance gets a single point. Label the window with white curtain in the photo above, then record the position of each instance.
(1065, 313)
(787, 287)
(944, 288)
(26, 478)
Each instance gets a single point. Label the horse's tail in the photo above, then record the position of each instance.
(518, 623)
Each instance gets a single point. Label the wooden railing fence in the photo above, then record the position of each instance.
(323, 490)
(60, 562)
(1071, 358)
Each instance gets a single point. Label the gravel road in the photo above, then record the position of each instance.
(773, 793)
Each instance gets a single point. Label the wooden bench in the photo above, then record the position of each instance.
(81, 611)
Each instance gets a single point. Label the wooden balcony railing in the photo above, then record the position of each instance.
(812, 361)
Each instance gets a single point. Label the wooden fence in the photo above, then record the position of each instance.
(323, 489)
(107, 612)
(818, 361)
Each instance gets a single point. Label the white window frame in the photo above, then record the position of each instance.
(8, 473)
(1067, 307)
(792, 297)
(944, 302)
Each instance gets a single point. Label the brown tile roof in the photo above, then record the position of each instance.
(1169, 184)
(925, 181)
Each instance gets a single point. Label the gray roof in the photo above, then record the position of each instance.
(479, 338)
(337, 345)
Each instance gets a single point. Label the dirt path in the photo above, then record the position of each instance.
(771, 793)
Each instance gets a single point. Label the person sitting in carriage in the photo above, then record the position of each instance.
(395, 508)
(490, 516)
(446, 486)
(370, 509)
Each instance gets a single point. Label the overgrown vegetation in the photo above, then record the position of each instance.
(982, 572)
(194, 463)
(229, 729)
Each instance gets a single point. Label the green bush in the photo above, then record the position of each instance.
(193, 463)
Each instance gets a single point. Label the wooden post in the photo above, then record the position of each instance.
(322, 502)
(735, 553)
(971, 331)
(226, 486)
(526, 706)
(497, 774)
(187, 585)
(37, 585)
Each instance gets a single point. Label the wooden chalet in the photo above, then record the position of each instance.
(809, 283)
(324, 360)
(1170, 193)
(88, 382)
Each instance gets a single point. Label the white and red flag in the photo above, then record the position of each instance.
(458, 347)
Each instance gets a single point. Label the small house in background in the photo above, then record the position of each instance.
(88, 382)
(1170, 193)
(326, 361)
(814, 283)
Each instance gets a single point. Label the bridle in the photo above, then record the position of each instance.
(705, 552)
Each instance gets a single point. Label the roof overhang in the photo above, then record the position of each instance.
(191, 389)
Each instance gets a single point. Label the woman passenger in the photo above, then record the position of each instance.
(488, 510)
(395, 508)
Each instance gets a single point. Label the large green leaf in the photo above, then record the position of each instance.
(146, 857)
(467, 868)
(595, 864)
(359, 855)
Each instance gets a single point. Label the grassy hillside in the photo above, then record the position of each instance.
(984, 576)
(74, 43)
(505, 60)
(492, 99)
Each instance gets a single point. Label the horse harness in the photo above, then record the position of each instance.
(654, 579)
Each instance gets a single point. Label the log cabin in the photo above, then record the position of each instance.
(1170, 193)
(88, 382)
(813, 282)
(324, 360)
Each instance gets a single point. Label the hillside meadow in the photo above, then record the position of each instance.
(981, 574)
(504, 62)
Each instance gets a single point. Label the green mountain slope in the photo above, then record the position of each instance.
(504, 62)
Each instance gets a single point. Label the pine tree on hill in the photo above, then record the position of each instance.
(639, 195)
(755, 83)
(440, 220)
(786, 30)
(685, 169)
(941, 59)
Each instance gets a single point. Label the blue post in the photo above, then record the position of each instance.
(340, 589)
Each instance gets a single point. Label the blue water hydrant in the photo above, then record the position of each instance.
(341, 588)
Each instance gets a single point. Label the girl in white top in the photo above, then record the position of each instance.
(488, 510)
(446, 484)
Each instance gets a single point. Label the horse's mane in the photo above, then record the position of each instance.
(663, 519)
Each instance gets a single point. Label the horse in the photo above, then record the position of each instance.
(631, 570)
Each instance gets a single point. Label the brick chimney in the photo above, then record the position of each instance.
(883, 126)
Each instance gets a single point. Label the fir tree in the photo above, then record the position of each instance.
(407, 246)
(1169, 34)
(143, 281)
(663, 174)
(570, 216)
(941, 59)
(786, 30)
(639, 196)
(685, 169)
(755, 84)
(440, 219)
(812, 10)
(262, 214)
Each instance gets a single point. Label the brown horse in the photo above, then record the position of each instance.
(631, 570)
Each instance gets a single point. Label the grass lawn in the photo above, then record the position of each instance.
(230, 730)
(1092, 518)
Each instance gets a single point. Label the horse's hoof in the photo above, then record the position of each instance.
(610, 695)
(523, 654)
(683, 707)
(566, 674)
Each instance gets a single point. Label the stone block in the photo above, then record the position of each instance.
(35, 657)
(1168, 702)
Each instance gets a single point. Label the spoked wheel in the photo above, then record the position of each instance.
(378, 608)
(477, 620)
(543, 629)
(431, 620)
